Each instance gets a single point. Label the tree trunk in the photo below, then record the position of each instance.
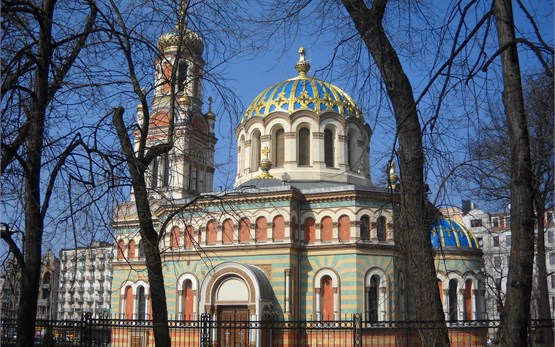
(544, 312)
(148, 235)
(516, 310)
(412, 236)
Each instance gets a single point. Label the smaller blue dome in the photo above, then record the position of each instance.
(447, 232)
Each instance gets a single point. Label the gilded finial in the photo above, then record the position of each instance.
(210, 103)
(184, 99)
(302, 65)
(392, 176)
(265, 164)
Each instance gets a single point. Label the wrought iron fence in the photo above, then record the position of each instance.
(206, 332)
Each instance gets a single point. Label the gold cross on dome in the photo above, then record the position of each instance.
(266, 151)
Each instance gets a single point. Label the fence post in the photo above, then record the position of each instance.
(205, 330)
(357, 330)
(86, 327)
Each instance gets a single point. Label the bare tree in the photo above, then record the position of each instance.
(516, 310)
(39, 50)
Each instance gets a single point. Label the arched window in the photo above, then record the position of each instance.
(131, 249)
(121, 247)
(279, 149)
(46, 278)
(241, 155)
(329, 148)
(344, 228)
(293, 228)
(174, 237)
(188, 300)
(468, 299)
(141, 303)
(129, 303)
(227, 228)
(244, 230)
(154, 174)
(261, 232)
(453, 300)
(381, 228)
(166, 171)
(352, 140)
(304, 146)
(373, 298)
(309, 230)
(189, 237)
(365, 228)
(278, 228)
(326, 289)
(326, 229)
(167, 76)
(255, 151)
(212, 232)
(181, 75)
(141, 249)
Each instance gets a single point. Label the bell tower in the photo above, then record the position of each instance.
(188, 168)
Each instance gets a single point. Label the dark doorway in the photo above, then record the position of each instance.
(233, 327)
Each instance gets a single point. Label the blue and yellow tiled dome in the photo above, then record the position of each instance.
(302, 93)
(446, 233)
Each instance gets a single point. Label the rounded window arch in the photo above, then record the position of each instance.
(187, 289)
(467, 306)
(255, 150)
(303, 146)
(278, 228)
(365, 228)
(141, 249)
(376, 285)
(131, 249)
(141, 303)
(241, 155)
(261, 232)
(244, 230)
(452, 299)
(278, 146)
(190, 237)
(344, 226)
(211, 232)
(326, 226)
(381, 231)
(309, 230)
(175, 234)
(352, 149)
(121, 248)
(227, 231)
(329, 147)
(326, 291)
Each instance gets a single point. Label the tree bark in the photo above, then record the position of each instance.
(412, 238)
(516, 310)
(148, 234)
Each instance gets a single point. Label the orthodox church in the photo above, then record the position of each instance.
(304, 234)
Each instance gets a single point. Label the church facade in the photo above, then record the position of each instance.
(304, 234)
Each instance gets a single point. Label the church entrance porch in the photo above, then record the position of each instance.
(233, 326)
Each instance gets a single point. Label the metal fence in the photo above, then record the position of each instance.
(205, 332)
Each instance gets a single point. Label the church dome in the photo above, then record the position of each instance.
(302, 93)
(448, 233)
(191, 41)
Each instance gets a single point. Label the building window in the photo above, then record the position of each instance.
(211, 232)
(166, 171)
(174, 237)
(476, 223)
(278, 228)
(141, 249)
(452, 304)
(279, 148)
(154, 175)
(121, 247)
(189, 237)
(167, 77)
(227, 229)
(373, 292)
(255, 151)
(550, 236)
(468, 299)
(365, 228)
(327, 298)
(495, 222)
(181, 75)
(552, 258)
(131, 249)
(344, 225)
(261, 232)
(326, 229)
(328, 148)
(141, 303)
(497, 262)
(552, 278)
(309, 230)
(495, 240)
(188, 300)
(381, 226)
(507, 221)
(508, 240)
(304, 146)
(129, 303)
(244, 230)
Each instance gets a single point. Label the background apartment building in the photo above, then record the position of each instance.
(85, 280)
